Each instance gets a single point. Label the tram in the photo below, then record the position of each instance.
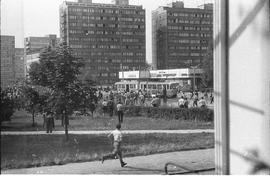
(152, 88)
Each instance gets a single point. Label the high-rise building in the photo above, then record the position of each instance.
(7, 61)
(36, 44)
(19, 64)
(181, 36)
(110, 37)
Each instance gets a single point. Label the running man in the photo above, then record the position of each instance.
(117, 140)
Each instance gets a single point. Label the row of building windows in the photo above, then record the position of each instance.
(99, 18)
(185, 41)
(194, 15)
(108, 11)
(108, 54)
(186, 34)
(133, 26)
(189, 21)
(188, 48)
(190, 28)
(186, 54)
(126, 40)
(78, 46)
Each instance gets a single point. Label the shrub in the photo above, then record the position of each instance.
(193, 114)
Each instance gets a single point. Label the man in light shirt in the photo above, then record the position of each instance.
(181, 102)
(117, 140)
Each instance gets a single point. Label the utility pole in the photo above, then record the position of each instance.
(194, 79)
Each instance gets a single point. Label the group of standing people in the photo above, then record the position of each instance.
(184, 101)
(48, 121)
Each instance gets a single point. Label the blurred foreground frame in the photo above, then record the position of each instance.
(242, 86)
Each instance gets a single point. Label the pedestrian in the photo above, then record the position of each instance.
(142, 99)
(120, 112)
(155, 102)
(181, 102)
(104, 106)
(186, 102)
(92, 108)
(44, 119)
(49, 122)
(202, 102)
(164, 94)
(195, 100)
(211, 98)
(110, 107)
(117, 151)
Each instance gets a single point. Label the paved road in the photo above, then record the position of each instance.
(151, 164)
(107, 131)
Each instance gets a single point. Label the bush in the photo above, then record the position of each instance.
(7, 105)
(193, 114)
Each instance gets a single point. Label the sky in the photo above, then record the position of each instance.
(24, 18)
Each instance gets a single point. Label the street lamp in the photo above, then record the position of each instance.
(194, 67)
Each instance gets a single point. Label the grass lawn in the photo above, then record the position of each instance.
(22, 121)
(40, 150)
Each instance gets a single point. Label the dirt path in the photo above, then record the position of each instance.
(151, 164)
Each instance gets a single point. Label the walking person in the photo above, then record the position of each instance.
(120, 112)
(211, 98)
(117, 151)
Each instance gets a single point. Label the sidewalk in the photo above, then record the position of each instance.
(151, 164)
(106, 132)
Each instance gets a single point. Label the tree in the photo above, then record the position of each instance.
(31, 97)
(58, 70)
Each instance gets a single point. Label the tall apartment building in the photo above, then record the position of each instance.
(36, 44)
(110, 37)
(181, 36)
(7, 61)
(19, 64)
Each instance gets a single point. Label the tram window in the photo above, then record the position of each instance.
(159, 86)
(174, 85)
(154, 86)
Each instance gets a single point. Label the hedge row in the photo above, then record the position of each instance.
(194, 114)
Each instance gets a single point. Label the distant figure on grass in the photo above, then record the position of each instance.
(117, 140)
(44, 119)
(49, 122)
(120, 112)
(92, 108)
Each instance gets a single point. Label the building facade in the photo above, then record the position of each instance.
(36, 44)
(181, 36)
(7, 61)
(19, 64)
(109, 37)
